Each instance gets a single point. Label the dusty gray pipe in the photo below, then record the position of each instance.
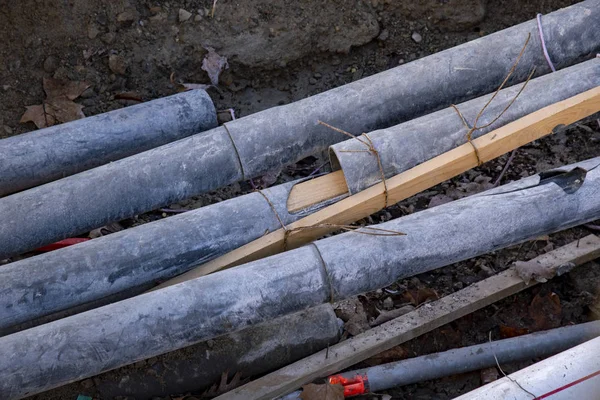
(52, 153)
(331, 269)
(403, 146)
(136, 259)
(270, 139)
(253, 351)
(472, 358)
(139, 257)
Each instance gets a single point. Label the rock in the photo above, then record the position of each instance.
(384, 35)
(126, 17)
(8, 129)
(50, 64)
(198, 18)
(117, 64)
(184, 15)
(312, 81)
(416, 37)
(87, 383)
(108, 38)
(388, 303)
(93, 31)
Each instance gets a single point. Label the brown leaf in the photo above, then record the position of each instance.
(545, 310)
(57, 88)
(213, 64)
(419, 296)
(223, 386)
(37, 115)
(326, 391)
(64, 110)
(59, 105)
(509, 331)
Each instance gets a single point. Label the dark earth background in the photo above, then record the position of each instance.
(280, 51)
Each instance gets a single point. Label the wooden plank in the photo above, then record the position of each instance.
(326, 187)
(408, 183)
(404, 328)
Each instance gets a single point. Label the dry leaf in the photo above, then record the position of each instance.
(546, 311)
(37, 115)
(326, 391)
(540, 272)
(195, 86)
(509, 331)
(213, 64)
(58, 106)
(419, 296)
(223, 386)
(57, 88)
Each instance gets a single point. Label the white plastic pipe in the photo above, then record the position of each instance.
(571, 375)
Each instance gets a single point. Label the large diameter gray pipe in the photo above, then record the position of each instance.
(473, 358)
(403, 146)
(253, 351)
(52, 153)
(139, 257)
(270, 139)
(135, 259)
(331, 269)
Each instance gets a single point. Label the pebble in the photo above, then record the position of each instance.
(93, 31)
(317, 75)
(416, 37)
(117, 64)
(184, 15)
(312, 81)
(388, 303)
(50, 64)
(384, 35)
(8, 129)
(108, 38)
(126, 16)
(87, 383)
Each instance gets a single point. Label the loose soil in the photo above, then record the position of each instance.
(280, 51)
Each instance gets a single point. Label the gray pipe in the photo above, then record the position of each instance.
(52, 153)
(403, 146)
(253, 351)
(270, 139)
(331, 269)
(135, 259)
(472, 358)
(139, 257)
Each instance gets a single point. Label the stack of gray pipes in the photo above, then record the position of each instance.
(206, 307)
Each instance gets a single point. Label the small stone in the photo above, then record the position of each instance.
(50, 64)
(198, 18)
(93, 31)
(88, 93)
(388, 303)
(312, 81)
(8, 129)
(108, 38)
(210, 343)
(184, 15)
(87, 383)
(416, 37)
(117, 64)
(317, 75)
(384, 35)
(126, 17)
(336, 61)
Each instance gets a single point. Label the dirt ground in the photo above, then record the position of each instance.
(280, 51)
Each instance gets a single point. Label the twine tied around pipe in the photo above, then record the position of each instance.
(475, 127)
(370, 148)
(368, 230)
